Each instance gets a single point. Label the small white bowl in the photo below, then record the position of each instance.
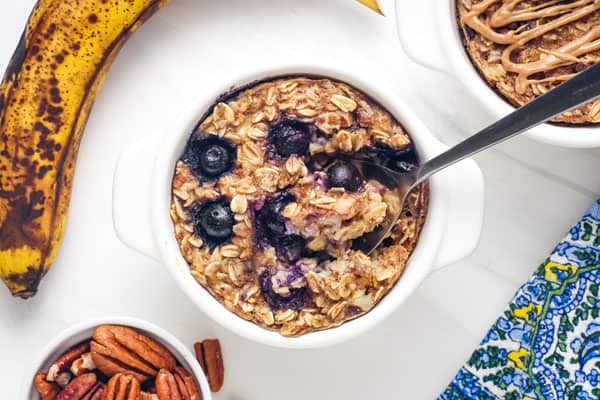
(142, 195)
(80, 332)
(430, 36)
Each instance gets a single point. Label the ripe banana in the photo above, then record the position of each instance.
(45, 98)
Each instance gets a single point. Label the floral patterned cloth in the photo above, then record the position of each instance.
(546, 344)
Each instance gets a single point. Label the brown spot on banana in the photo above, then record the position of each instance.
(45, 98)
(17, 59)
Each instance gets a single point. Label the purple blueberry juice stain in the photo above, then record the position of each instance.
(352, 310)
(269, 223)
(271, 228)
(296, 297)
(291, 247)
(320, 180)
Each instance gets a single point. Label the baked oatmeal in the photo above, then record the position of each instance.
(267, 203)
(523, 48)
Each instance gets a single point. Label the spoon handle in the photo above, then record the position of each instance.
(580, 89)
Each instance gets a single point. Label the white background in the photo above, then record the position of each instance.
(534, 193)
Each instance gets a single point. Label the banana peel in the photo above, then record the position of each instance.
(45, 98)
(46, 95)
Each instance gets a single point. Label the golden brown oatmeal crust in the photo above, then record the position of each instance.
(346, 283)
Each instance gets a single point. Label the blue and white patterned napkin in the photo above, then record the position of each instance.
(546, 344)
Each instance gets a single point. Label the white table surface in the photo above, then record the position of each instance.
(534, 192)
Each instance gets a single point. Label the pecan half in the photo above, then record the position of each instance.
(210, 358)
(186, 384)
(78, 388)
(199, 350)
(148, 396)
(118, 349)
(64, 362)
(96, 393)
(122, 387)
(47, 390)
(166, 386)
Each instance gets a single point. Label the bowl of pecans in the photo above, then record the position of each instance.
(252, 202)
(116, 358)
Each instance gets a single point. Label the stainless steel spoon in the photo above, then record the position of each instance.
(581, 89)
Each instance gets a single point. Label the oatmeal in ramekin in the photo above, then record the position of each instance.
(267, 203)
(523, 48)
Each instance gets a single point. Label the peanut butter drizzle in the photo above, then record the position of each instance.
(514, 39)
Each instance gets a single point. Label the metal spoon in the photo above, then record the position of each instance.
(581, 89)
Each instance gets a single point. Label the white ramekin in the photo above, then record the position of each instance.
(430, 36)
(82, 331)
(141, 199)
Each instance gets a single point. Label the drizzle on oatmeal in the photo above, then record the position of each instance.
(545, 17)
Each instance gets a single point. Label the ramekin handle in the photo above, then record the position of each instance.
(463, 189)
(419, 34)
(131, 197)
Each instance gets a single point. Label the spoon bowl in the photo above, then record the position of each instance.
(580, 89)
(401, 183)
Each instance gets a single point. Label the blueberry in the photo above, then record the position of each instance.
(291, 247)
(290, 137)
(269, 224)
(277, 202)
(276, 225)
(401, 160)
(209, 156)
(213, 221)
(344, 174)
(296, 298)
(271, 228)
(214, 160)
